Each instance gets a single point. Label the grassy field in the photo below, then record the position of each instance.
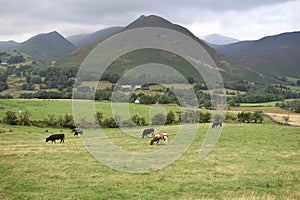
(266, 104)
(40, 109)
(250, 161)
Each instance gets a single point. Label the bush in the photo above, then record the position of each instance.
(68, 120)
(110, 123)
(158, 119)
(231, 116)
(10, 118)
(190, 116)
(51, 121)
(24, 119)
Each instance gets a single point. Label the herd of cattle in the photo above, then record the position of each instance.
(145, 133)
(61, 136)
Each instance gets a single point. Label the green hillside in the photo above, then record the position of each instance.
(275, 56)
(229, 71)
(47, 47)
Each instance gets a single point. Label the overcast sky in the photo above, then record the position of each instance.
(240, 19)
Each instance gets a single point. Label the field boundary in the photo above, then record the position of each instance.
(278, 122)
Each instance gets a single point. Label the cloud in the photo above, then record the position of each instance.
(25, 18)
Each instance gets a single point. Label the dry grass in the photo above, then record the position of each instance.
(294, 119)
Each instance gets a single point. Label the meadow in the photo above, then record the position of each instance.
(249, 161)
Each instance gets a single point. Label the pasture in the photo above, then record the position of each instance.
(250, 161)
(40, 109)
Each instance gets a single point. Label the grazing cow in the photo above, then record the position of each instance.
(216, 124)
(148, 131)
(54, 137)
(158, 137)
(76, 130)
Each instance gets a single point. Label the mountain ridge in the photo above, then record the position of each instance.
(276, 55)
(82, 40)
(228, 69)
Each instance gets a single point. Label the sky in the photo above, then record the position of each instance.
(240, 19)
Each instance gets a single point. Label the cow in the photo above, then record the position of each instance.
(54, 137)
(216, 124)
(76, 130)
(158, 137)
(148, 131)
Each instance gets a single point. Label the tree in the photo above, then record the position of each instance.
(24, 118)
(136, 119)
(257, 116)
(15, 59)
(191, 79)
(99, 118)
(170, 118)
(10, 118)
(68, 120)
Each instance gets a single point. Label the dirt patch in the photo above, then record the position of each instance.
(293, 119)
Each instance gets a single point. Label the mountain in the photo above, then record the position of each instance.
(88, 38)
(47, 47)
(229, 71)
(277, 55)
(9, 45)
(217, 39)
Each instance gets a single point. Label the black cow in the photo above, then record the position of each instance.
(54, 137)
(148, 131)
(216, 124)
(76, 130)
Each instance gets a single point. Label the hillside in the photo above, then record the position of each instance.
(229, 71)
(47, 47)
(88, 38)
(9, 45)
(275, 56)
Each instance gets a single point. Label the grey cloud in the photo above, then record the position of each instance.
(41, 15)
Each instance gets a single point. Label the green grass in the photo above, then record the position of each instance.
(266, 104)
(250, 161)
(40, 109)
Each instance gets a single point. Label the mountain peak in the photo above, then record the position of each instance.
(47, 46)
(219, 39)
(149, 21)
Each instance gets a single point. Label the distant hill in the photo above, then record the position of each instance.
(43, 47)
(9, 45)
(88, 38)
(218, 39)
(47, 47)
(277, 55)
(229, 71)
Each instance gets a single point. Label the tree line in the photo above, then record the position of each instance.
(67, 120)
